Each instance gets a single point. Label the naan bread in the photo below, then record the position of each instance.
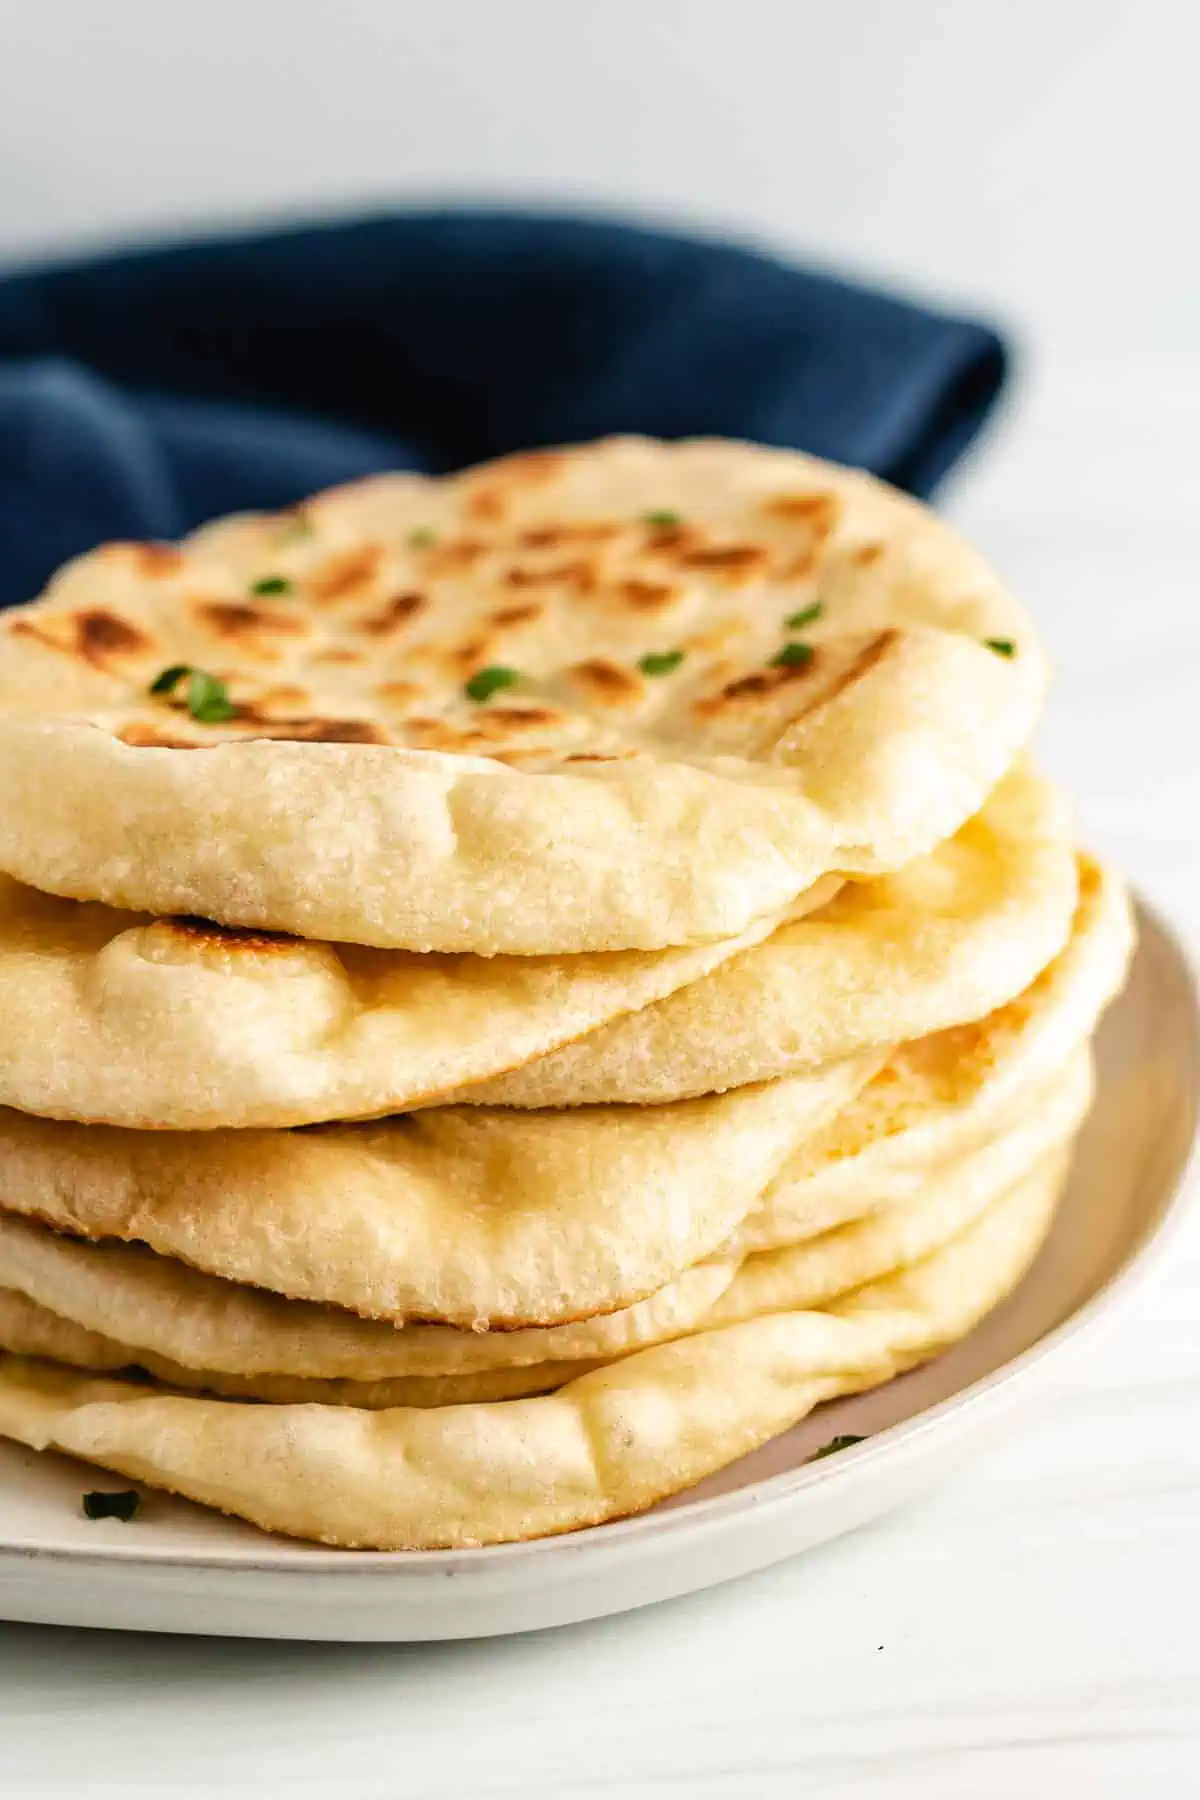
(124, 1020)
(607, 1444)
(120, 1019)
(466, 1215)
(905, 1135)
(155, 1305)
(476, 1214)
(109, 1307)
(947, 939)
(938, 1098)
(359, 793)
(27, 1329)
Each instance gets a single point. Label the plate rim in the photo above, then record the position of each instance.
(641, 1533)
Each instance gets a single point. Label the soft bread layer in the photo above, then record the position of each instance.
(465, 1215)
(109, 1305)
(947, 939)
(119, 1018)
(475, 1215)
(125, 1020)
(609, 1443)
(936, 1097)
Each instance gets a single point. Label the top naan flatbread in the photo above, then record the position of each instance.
(733, 671)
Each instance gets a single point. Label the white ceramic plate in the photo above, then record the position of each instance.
(178, 1568)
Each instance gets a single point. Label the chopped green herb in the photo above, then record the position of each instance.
(843, 1441)
(792, 656)
(661, 662)
(102, 1505)
(169, 680)
(271, 584)
(1002, 646)
(486, 682)
(662, 520)
(298, 526)
(808, 615)
(422, 538)
(207, 696)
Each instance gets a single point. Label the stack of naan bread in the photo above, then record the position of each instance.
(517, 988)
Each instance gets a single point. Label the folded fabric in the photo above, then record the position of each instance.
(143, 392)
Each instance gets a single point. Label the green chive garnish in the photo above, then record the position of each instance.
(662, 520)
(808, 615)
(792, 656)
(271, 584)
(661, 662)
(422, 538)
(486, 682)
(101, 1505)
(207, 696)
(1002, 646)
(842, 1442)
(168, 681)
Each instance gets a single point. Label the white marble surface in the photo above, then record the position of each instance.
(1029, 1629)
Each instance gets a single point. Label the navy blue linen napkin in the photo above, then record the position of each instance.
(145, 391)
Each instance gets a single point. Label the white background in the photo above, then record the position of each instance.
(1034, 1628)
(1039, 155)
